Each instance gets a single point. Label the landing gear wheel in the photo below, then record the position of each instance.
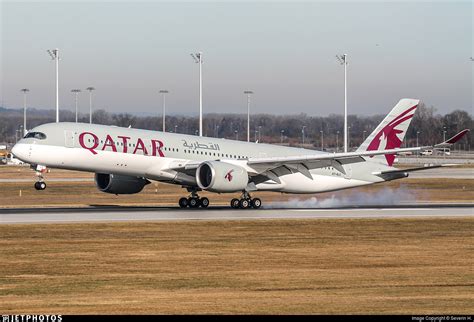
(244, 203)
(193, 202)
(204, 202)
(234, 203)
(40, 185)
(256, 203)
(183, 202)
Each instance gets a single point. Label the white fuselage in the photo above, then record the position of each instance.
(157, 156)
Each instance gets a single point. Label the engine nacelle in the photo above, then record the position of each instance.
(119, 184)
(217, 176)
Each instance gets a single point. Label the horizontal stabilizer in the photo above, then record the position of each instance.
(412, 169)
(403, 173)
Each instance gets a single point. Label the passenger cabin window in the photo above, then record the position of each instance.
(35, 135)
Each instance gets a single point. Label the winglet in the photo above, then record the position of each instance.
(452, 140)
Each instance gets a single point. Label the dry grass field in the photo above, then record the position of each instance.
(84, 193)
(409, 266)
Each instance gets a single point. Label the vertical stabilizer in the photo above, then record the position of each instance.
(390, 132)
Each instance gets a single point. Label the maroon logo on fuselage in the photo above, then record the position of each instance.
(229, 176)
(91, 142)
(390, 133)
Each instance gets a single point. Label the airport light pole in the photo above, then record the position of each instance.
(54, 53)
(343, 61)
(16, 135)
(444, 139)
(259, 134)
(348, 140)
(302, 134)
(164, 92)
(281, 136)
(76, 92)
(337, 141)
(248, 113)
(417, 133)
(25, 92)
(198, 59)
(236, 135)
(90, 89)
(363, 135)
(322, 140)
(256, 132)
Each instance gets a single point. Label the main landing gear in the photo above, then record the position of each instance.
(40, 184)
(193, 201)
(246, 202)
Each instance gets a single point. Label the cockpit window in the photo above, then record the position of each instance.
(35, 135)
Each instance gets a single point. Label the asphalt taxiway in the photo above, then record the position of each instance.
(121, 214)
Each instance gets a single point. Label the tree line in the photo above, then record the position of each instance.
(427, 126)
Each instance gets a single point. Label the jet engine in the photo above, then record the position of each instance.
(217, 176)
(119, 184)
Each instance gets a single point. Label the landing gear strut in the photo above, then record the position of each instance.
(193, 201)
(246, 202)
(40, 184)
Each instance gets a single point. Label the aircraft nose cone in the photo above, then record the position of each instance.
(20, 151)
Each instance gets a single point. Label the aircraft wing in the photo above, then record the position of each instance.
(452, 140)
(262, 169)
(306, 162)
(188, 168)
(270, 167)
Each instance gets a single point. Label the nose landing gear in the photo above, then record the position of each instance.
(246, 202)
(40, 184)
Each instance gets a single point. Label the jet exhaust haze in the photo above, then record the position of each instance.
(385, 196)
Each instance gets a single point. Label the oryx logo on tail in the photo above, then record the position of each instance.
(389, 134)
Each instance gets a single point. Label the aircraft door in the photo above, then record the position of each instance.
(69, 137)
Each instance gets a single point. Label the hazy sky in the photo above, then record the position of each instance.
(283, 51)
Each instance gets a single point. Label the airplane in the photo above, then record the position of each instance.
(124, 160)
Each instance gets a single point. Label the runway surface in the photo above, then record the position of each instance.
(120, 214)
